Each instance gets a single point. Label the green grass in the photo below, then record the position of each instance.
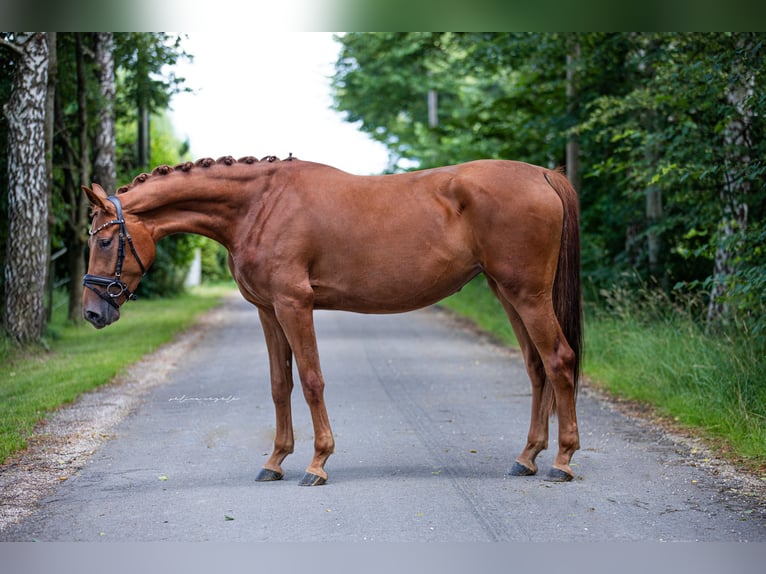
(713, 384)
(78, 358)
(653, 353)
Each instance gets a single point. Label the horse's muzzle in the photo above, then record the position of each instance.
(99, 313)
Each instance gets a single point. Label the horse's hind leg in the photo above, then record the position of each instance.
(280, 363)
(535, 309)
(559, 359)
(537, 439)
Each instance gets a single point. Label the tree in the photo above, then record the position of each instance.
(78, 205)
(50, 110)
(104, 164)
(93, 81)
(736, 187)
(93, 145)
(174, 254)
(147, 83)
(27, 248)
(573, 144)
(95, 85)
(669, 126)
(691, 132)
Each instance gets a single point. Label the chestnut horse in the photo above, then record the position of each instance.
(304, 236)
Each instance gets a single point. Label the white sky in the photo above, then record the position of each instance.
(263, 93)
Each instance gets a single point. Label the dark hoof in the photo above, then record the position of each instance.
(268, 475)
(310, 479)
(519, 469)
(558, 475)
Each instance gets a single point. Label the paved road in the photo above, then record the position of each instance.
(428, 418)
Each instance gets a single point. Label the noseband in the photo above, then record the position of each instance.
(114, 287)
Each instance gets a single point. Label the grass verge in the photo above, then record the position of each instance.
(78, 358)
(650, 352)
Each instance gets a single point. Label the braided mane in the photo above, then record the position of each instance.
(203, 163)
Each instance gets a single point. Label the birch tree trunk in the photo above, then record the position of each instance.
(734, 193)
(28, 244)
(50, 116)
(104, 166)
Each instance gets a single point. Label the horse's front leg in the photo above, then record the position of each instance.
(296, 318)
(280, 363)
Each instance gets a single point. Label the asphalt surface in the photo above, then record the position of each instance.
(428, 417)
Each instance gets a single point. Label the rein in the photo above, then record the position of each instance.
(114, 287)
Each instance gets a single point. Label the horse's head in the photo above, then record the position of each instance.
(121, 250)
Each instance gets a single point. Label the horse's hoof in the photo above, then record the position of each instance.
(310, 479)
(558, 475)
(519, 469)
(268, 475)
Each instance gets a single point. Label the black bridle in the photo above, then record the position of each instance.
(114, 287)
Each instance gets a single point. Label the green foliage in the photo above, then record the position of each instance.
(486, 107)
(147, 60)
(706, 381)
(146, 79)
(748, 284)
(215, 266)
(166, 276)
(652, 113)
(144, 69)
(174, 254)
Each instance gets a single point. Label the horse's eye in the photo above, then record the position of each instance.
(104, 243)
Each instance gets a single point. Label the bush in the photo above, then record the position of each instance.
(645, 346)
(215, 265)
(166, 276)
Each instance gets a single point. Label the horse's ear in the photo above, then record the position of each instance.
(97, 195)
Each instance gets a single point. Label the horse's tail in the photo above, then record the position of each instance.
(567, 291)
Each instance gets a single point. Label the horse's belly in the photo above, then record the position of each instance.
(388, 290)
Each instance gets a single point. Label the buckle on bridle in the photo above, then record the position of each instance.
(121, 288)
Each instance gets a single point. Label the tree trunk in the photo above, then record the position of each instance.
(653, 218)
(104, 168)
(734, 192)
(653, 192)
(28, 245)
(573, 143)
(143, 137)
(78, 239)
(653, 210)
(50, 116)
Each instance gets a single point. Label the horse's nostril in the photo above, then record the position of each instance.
(93, 316)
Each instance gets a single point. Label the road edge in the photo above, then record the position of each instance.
(64, 442)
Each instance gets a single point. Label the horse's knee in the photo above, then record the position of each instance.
(313, 387)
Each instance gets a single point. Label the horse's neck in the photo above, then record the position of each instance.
(205, 201)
